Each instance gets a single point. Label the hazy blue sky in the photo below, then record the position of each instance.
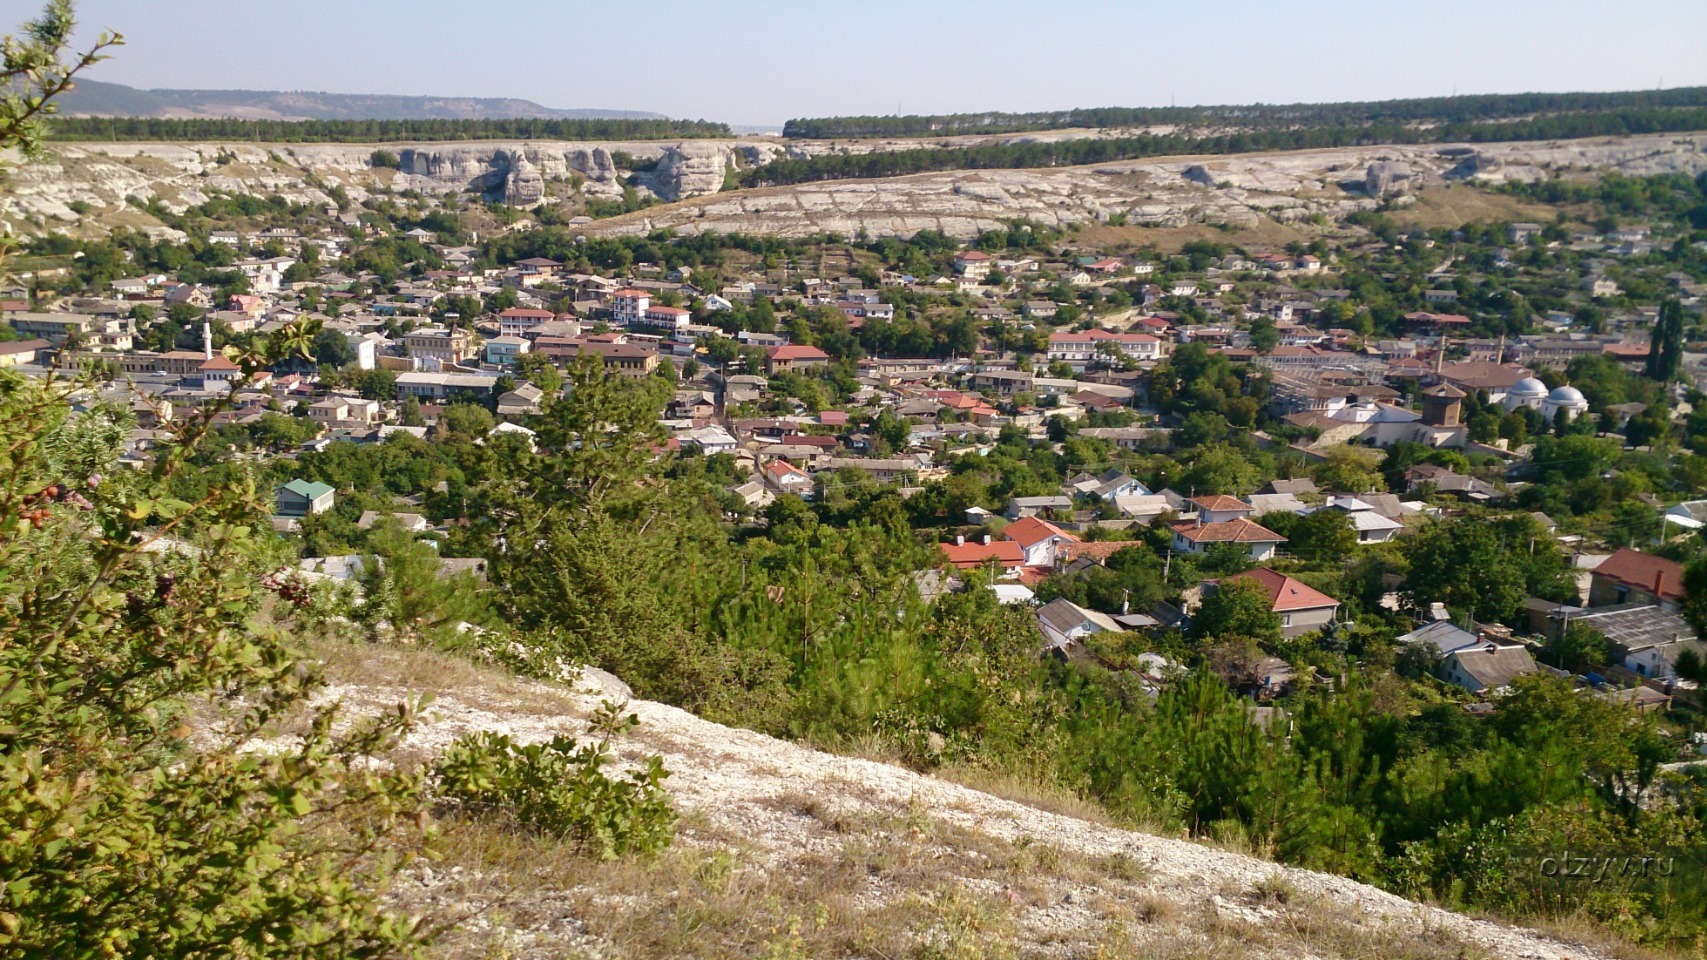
(764, 61)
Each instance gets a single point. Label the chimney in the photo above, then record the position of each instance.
(1659, 581)
(986, 539)
(960, 541)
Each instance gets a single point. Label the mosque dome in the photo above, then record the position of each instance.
(1567, 396)
(1531, 388)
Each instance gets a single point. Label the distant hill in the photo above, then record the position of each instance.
(93, 98)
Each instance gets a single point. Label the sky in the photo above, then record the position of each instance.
(763, 61)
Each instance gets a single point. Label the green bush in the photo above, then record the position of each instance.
(124, 831)
(560, 788)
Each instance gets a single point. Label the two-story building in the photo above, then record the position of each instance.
(1085, 348)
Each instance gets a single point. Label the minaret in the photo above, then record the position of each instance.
(207, 341)
(1501, 357)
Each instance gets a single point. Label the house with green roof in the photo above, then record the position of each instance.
(302, 498)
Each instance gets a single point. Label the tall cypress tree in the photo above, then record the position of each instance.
(1665, 351)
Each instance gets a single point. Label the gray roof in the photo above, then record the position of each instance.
(1636, 626)
(1294, 487)
(1262, 503)
(1495, 668)
(1061, 617)
(1443, 635)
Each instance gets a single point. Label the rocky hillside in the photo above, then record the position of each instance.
(785, 851)
(1239, 191)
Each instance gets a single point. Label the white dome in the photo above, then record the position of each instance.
(1529, 387)
(1565, 396)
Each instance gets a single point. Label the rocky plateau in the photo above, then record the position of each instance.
(86, 186)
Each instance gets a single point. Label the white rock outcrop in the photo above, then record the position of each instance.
(1236, 190)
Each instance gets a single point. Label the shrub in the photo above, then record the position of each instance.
(560, 789)
(385, 159)
(121, 834)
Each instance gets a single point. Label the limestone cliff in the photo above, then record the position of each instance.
(1238, 191)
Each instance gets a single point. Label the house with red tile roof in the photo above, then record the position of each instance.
(785, 477)
(1195, 537)
(1221, 508)
(1005, 555)
(1631, 576)
(1301, 607)
(973, 264)
(794, 357)
(628, 306)
(1038, 538)
(1082, 347)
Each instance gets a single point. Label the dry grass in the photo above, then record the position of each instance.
(1583, 929)
(1041, 795)
(1455, 204)
(425, 671)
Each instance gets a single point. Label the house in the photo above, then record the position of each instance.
(1690, 514)
(1443, 635)
(343, 411)
(1487, 669)
(628, 359)
(302, 498)
(1038, 538)
(1266, 503)
(1301, 607)
(1003, 554)
(1042, 309)
(503, 351)
(754, 494)
(1221, 508)
(410, 522)
(1196, 537)
(784, 477)
(518, 321)
(20, 352)
(1063, 621)
(1659, 662)
(1143, 509)
(667, 318)
(1113, 483)
(1639, 633)
(794, 357)
(1631, 576)
(1301, 487)
(1443, 480)
(1022, 507)
(521, 401)
(446, 346)
(710, 439)
(973, 264)
(1371, 527)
